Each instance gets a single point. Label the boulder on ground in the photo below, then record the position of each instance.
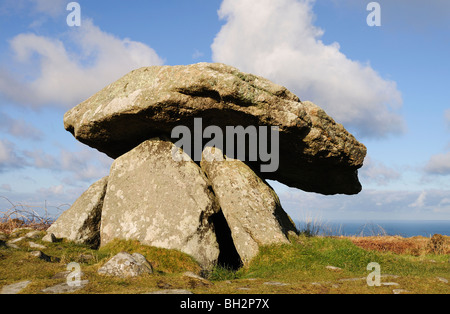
(126, 265)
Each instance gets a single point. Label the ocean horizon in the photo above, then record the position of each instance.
(404, 228)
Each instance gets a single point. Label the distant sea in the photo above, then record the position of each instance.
(406, 228)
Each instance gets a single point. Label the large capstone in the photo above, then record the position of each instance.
(315, 153)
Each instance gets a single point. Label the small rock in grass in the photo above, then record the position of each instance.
(275, 283)
(49, 237)
(399, 291)
(43, 256)
(33, 234)
(16, 231)
(16, 240)
(333, 268)
(126, 265)
(15, 288)
(390, 284)
(12, 245)
(36, 246)
(65, 287)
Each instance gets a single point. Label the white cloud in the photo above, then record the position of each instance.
(19, 128)
(420, 201)
(52, 191)
(8, 157)
(6, 187)
(83, 165)
(278, 40)
(439, 164)
(369, 204)
(41, 160)
(377, 172)
(71, 71)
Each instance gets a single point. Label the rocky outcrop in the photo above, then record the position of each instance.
(250, 206)
(160, 202)
(81, 222)
(316, 153)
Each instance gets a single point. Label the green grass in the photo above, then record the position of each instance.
(165, 261)
(308, 256)
(299, 266)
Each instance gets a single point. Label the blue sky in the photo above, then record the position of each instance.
(388, 85)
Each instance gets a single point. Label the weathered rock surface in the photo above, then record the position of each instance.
(15, 288)
(126, 265)
(33, 234)
(160, 202)
(316, 153)
(49, 237)
(43, 256)
(36, 246)
(250, 206)
(65, 287)
(81, 222)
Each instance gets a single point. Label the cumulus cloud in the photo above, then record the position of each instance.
(377, 172)
(6, 187)
(84, 165)
(18, 128)
(439, 164)
(52, 191)
(9, 159)
(420, 201)
(78, 167)
(70, 71)
(278, 40)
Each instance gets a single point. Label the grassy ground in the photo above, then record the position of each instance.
(299, 267)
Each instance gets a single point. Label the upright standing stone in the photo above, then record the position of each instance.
(160, 202)
(81, 222)
(251, 207)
